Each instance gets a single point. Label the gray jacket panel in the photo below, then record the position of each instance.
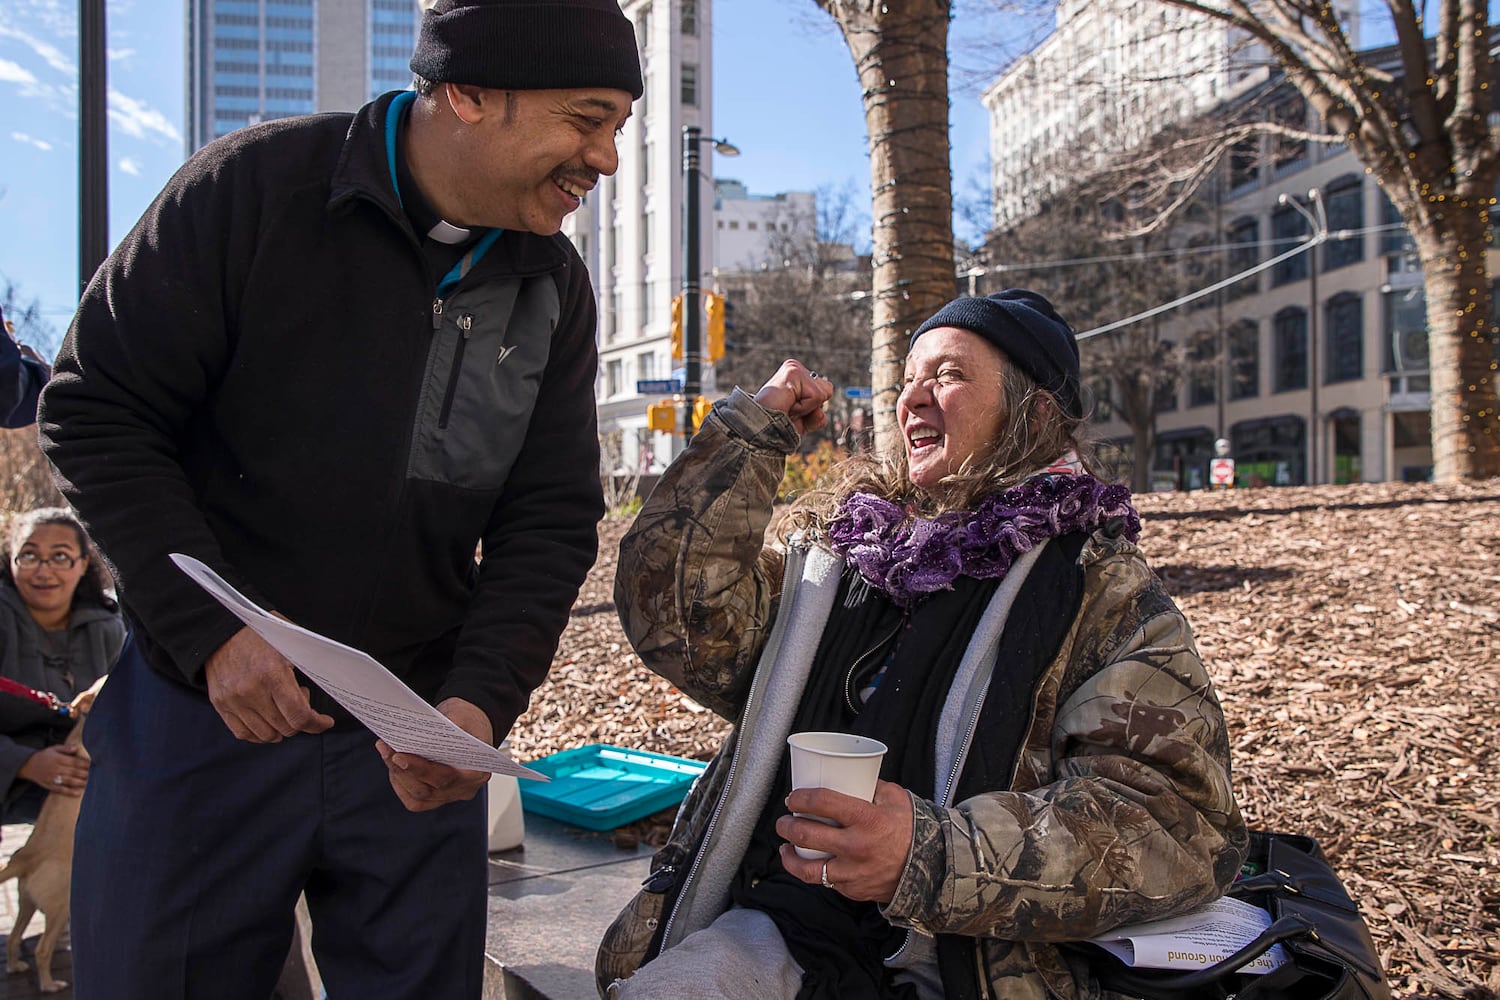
(489, 349)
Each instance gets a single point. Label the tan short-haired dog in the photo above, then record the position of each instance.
(44, 866)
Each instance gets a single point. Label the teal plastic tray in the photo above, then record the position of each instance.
(600, 787)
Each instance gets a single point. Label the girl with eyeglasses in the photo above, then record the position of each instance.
(60, 630)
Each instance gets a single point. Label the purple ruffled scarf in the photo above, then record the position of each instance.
(906, 558)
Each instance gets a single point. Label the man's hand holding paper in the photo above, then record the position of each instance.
(436, 755)
(255, 691)
(421, 784)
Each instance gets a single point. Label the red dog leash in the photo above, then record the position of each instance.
(32, 694)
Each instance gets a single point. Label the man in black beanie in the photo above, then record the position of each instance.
(336, 354)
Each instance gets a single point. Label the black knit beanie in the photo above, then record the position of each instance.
(529, 45)
(1030, 332)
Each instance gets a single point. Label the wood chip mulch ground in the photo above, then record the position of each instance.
(1353, 633)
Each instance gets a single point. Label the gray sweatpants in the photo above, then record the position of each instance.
(739, 956)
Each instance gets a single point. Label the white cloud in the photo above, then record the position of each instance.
(130, 166)
(57, 17)
(133, 117)
(51, 54)
(32, 140)
(137, 118)
(16, 73)
(23, 26)
(46, 32)
(56, 98)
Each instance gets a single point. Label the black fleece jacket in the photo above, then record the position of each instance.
(262, 376)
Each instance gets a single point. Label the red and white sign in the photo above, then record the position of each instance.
(1221, 473)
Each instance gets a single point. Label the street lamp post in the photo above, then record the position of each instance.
(1319, 224)
(1221, 346)
(692, 354)
(93, 155)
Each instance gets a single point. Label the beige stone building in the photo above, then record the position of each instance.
(1314, 370)
(630, 230)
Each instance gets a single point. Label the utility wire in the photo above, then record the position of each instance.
(1043, 265)
(1200, 293)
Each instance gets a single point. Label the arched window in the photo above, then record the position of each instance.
(1290, 349)
(1164, 397)
(1344, 323)
(1289, 153)
(1288, 228)
(1270, 451)
(1394, 236)
(1345, 200)
(1244, 359)
(1244, 165)
(1243, 237)
(1203, 368)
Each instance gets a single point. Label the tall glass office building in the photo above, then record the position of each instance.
(255, 60)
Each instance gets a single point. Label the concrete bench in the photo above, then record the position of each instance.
(550, 901)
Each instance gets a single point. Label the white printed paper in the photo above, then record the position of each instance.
(370, 692)
(1195, 940)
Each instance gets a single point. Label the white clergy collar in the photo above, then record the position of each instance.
(446, 232)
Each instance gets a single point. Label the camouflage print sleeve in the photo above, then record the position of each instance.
(695, 585)
(1122, 809)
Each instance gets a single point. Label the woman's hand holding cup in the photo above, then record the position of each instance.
(861, 857)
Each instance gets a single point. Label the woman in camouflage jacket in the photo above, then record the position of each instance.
(1059, 763)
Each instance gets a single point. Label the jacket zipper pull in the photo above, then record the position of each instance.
(465, 325)
(437, 314)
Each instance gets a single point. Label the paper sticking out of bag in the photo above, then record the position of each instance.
(1195, 940)
(371, 693)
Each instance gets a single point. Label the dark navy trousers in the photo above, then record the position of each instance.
(192, 847)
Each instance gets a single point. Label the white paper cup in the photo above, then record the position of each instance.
(840, 761)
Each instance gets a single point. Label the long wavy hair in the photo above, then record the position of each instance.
(93, 586)
(1035, 432)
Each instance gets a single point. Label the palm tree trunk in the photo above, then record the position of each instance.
(900, 49)
(1461, 350)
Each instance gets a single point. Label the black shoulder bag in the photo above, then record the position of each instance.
(1330, 955)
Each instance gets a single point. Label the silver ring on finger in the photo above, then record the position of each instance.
(826, 884)
(813, 374)
(57, 780)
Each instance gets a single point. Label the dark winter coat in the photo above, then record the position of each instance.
(264, 376)
(95, 635)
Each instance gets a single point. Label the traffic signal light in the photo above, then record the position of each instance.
(677, 353)
(701, 408)
(662, 417)
(714, 305)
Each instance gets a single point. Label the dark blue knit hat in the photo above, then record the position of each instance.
(529, 45)
(1030, 332)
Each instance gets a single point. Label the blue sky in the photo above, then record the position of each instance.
(785, 92)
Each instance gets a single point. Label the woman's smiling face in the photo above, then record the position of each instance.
(47, 586)
(952, 403)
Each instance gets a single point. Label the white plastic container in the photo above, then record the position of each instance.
(507, 822)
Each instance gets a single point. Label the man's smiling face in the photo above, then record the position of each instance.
(538, 153)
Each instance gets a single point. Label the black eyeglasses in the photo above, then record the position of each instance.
(57, 560)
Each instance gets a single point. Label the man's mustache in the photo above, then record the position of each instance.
(581, 177)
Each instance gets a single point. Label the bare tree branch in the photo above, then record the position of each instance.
(1422, 128)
